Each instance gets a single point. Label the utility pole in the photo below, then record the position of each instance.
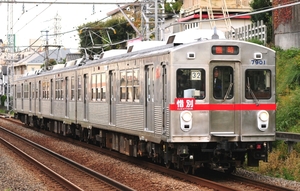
(46, 51)
(57, 30)
(11, 49)
(152, 18)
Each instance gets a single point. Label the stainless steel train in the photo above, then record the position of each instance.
(207, 103)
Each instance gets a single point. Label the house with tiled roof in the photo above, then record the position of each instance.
(35, 61)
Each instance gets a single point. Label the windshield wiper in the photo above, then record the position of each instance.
(228, 91)
(251, 93)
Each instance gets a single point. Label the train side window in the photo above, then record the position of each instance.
(18, 91)
(44, 90)
(258, 84)
(72, 88)
(37, 90)
(61, 89)
(103, 86)
(58, 89)
(79, 88)
(136, 85)
(25, 90)
(48, 90)
(94, 87)
(129, 83)
(122, 85)
(190, 83)
(32, 91)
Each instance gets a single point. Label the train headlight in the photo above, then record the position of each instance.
(264, 116)
(186, 116)
(262, 120)
(186, 119)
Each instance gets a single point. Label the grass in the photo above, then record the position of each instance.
(281, 164)
(3, 110)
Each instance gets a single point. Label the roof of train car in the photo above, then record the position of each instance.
(165, 49)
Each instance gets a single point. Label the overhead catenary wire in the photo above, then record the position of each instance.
(261, 10)
(71, 3)
(34, 17)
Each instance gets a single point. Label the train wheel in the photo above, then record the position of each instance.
(186, 169)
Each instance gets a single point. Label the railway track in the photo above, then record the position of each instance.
(68, 174)
(223, 181)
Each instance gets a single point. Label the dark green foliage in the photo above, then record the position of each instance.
(3, 99)
(256, 41)
(105, 35)
(257, 5)
(288, 90)
(176, 6)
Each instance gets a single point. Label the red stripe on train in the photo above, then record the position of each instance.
(224, 107)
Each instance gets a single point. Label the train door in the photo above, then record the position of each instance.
(30, 97)
(85, 94)
(149, 103)
(51, 96)
(164, 78)
(40, 96)
(22, 96)
(15, 97)
(33, 96)
(66, 96)
(222, 115)
(112, 97)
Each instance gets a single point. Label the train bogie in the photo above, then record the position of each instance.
(204, 104)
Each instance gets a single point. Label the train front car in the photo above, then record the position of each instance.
(222, 110)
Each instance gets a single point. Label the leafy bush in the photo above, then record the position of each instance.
(256, 41)
(282, 164)
(3, 99)
(288, 90)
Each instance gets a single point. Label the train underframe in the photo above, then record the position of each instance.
(222, 155)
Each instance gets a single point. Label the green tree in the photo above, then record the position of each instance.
(266, 17)
(98, 36)
(173, 7)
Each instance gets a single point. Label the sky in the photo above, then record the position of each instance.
(29, 19)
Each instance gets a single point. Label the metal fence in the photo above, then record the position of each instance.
(254, 31)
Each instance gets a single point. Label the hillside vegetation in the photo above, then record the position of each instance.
(281, 163)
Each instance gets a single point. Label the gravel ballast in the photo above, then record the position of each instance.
(17, 174)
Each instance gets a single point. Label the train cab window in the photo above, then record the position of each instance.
(222, 82)
(258, 84)
(190, 83)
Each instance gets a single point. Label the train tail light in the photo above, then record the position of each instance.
(258, 146)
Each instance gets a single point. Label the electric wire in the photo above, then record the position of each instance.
(35, 17)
